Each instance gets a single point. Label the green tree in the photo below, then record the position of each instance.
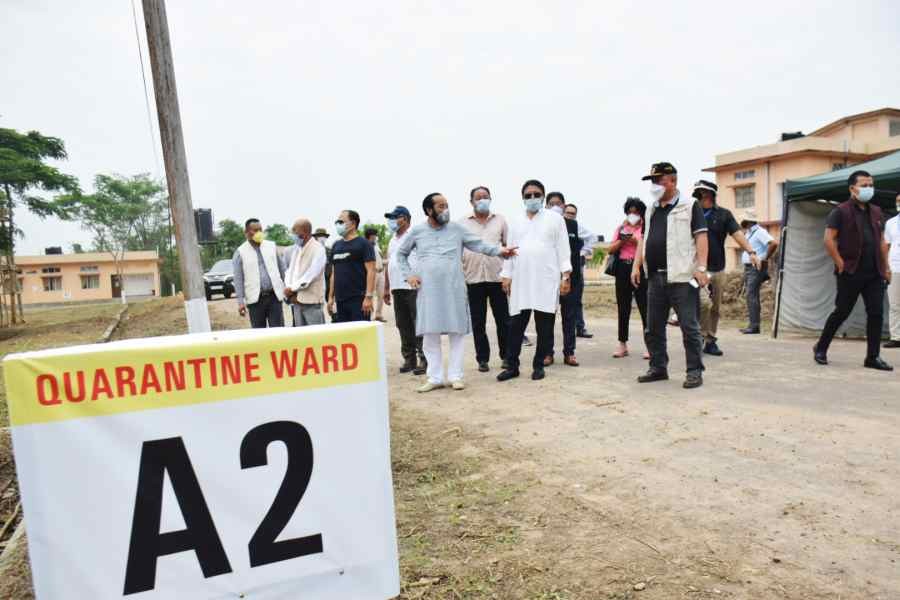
(115, 214)
(279, 234)
(23, 171)
(229, 236)
(384, 235)
(77, 248)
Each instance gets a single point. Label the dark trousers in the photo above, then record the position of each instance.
(753, 280)
(349, 310)
(543, 323)
(626, 294)
(569, 307)
(266, 312)
(480, 294)
(849, 289)
(685, 299)
(405, 316)
(579, 304)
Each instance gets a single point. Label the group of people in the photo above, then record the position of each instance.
(442, 275)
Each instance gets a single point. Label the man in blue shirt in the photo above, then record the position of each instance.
(764, 245)
(353, 286)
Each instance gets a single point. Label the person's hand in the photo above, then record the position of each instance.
(288, 292)
(506, 284)
(636, 277)
(631, 240)
(242, 310)
(839, 265)
(754, 260)
(887, 277)
(565, 287)
(414, 281)
(387, 298)
(508, 252)
(702, 278)
(367, 306)
(332, 308)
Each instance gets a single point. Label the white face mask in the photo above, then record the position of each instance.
(865, 194)
(533, 205)
(557, 209)
(633, 219)
(656, 191)
(444, 217)
(483, 206)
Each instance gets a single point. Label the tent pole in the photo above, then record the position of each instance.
(785, 209)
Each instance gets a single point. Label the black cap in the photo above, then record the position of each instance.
(399, 211)
(659, 169)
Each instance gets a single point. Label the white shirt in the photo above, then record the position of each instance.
(589, 238)
(892, 237)
(542, 257)
(297, 280)
(759, 240)
(397, 280)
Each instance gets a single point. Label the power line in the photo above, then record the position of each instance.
(153, 143)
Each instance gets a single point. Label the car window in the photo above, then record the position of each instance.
(222, 266)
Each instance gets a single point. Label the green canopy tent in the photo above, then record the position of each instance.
(806, 286)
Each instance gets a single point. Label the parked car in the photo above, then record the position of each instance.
(219, 279)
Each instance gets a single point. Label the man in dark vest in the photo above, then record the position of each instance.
(569, 303)
(853, 239)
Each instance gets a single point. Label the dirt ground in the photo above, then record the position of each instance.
(776, 479)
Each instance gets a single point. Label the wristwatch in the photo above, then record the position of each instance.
(701, 269)
(372, 295)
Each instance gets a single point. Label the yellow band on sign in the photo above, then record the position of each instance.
(176, 371)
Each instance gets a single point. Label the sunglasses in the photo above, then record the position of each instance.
(532, 195)
(338, 222)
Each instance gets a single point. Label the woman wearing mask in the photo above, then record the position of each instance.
(625, 243)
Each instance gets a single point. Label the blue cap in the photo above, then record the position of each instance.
(399, 211)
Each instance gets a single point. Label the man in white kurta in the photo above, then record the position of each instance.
(535, 277)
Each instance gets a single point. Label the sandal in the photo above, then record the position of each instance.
(622, 352)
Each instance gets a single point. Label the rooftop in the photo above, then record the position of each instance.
(84, 257)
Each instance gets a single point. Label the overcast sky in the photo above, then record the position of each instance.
(305, 108)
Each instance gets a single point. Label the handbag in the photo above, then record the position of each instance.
(612, 261)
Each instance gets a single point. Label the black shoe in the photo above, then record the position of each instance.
(820, 357)
(526, 341)
(693, 380)
(537, 374)
(483, 367)
(892, 344)
(712, 348)
(877, 363)
(750, 330)
(421, 368)
(653, 375)
(407, 367)
(584, 334)
(504, 365)
(507, 374)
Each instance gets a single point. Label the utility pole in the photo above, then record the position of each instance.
(175, 160)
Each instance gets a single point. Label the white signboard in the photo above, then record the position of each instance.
(239, 464)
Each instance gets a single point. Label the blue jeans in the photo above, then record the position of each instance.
(350, 310)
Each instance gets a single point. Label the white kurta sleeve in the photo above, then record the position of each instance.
(508, 264)
(562, 248)
(316, 267)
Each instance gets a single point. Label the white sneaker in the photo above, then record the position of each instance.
(430, 387)
(458, 385)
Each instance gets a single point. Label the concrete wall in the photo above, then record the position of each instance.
(33, 292)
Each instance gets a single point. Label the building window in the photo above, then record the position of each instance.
(895, 127)
(838, 166)
(748, 174)
(50, 270)
(52, 284)
(90, 269)
(90, 282)
(745, 197)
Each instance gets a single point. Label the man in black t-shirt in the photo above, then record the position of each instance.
(353, 281)
(674, 250)
(721, 224)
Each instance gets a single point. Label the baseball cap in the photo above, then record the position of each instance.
(659, 169)
(399, 211)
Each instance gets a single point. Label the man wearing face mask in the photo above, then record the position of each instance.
(400, 293)
(674, 250)
(258, 283)
(353, 283)
(372, 237)
(304, 279)
(482, 274)
(721, 224)
(756, 273)
(570, 304)
(853, 240)
(441, 306)
(536, 278)
(892, 239)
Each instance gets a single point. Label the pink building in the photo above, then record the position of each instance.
(754, 178)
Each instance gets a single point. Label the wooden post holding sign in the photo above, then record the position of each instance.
(241, 464)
